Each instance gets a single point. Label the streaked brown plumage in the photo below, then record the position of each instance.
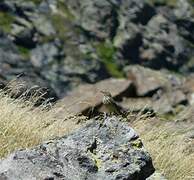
(111, 105)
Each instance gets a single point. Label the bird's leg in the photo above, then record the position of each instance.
(105, 115)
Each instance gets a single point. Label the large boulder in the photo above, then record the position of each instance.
(98, 17)
(104, 149)
(162, 90)
(162, 45)
(147, 81)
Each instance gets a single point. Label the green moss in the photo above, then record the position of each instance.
(25, 52)
(106, 52)
(58, 22)
(62, 21)
(191, 1)
(6, 21)
(171, 3)
(65, 11)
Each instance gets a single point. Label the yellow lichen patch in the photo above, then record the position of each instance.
(137, 143)
(97, 160)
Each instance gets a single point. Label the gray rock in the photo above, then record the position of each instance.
(156, 176)
(98, 17)
(23, 31)
(29, 21)
(44, 55)
(7, 6)
(147, 81)
(183, 10)
(184, 19)
(9, 57)
(43, 25)
(153, 40)
(104, 149)
(164, 89)
(63, 71)
(138, 12)
(127, 41)
(24, 36)
(12, 65)
(132, 15)
(162, 46)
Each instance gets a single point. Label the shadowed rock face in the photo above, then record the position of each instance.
(104, 149)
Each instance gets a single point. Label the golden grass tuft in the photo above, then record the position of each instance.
(171, 152)
(22, 125)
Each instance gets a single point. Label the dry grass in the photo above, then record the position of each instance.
(23, 126)
(172, 154)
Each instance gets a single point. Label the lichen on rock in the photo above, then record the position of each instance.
(103, 149)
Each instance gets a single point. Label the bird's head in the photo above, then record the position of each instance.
(106, 93)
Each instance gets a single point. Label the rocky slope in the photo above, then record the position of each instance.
(61, 44)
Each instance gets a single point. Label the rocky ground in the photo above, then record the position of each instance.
(67, 51)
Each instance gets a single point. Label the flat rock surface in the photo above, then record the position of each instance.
(147, 81)
(104, 149)
(89, 96)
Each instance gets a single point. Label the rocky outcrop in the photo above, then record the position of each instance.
(145, 89)
(153, 39)
(161, 41)
(105, 149)
(147, 81)
(86, 98)
(68, 43)
(50, 49)
(160, 90)
(103, 19)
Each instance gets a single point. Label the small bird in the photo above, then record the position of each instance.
(111, 105)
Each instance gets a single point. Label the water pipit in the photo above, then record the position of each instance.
(111, 105)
